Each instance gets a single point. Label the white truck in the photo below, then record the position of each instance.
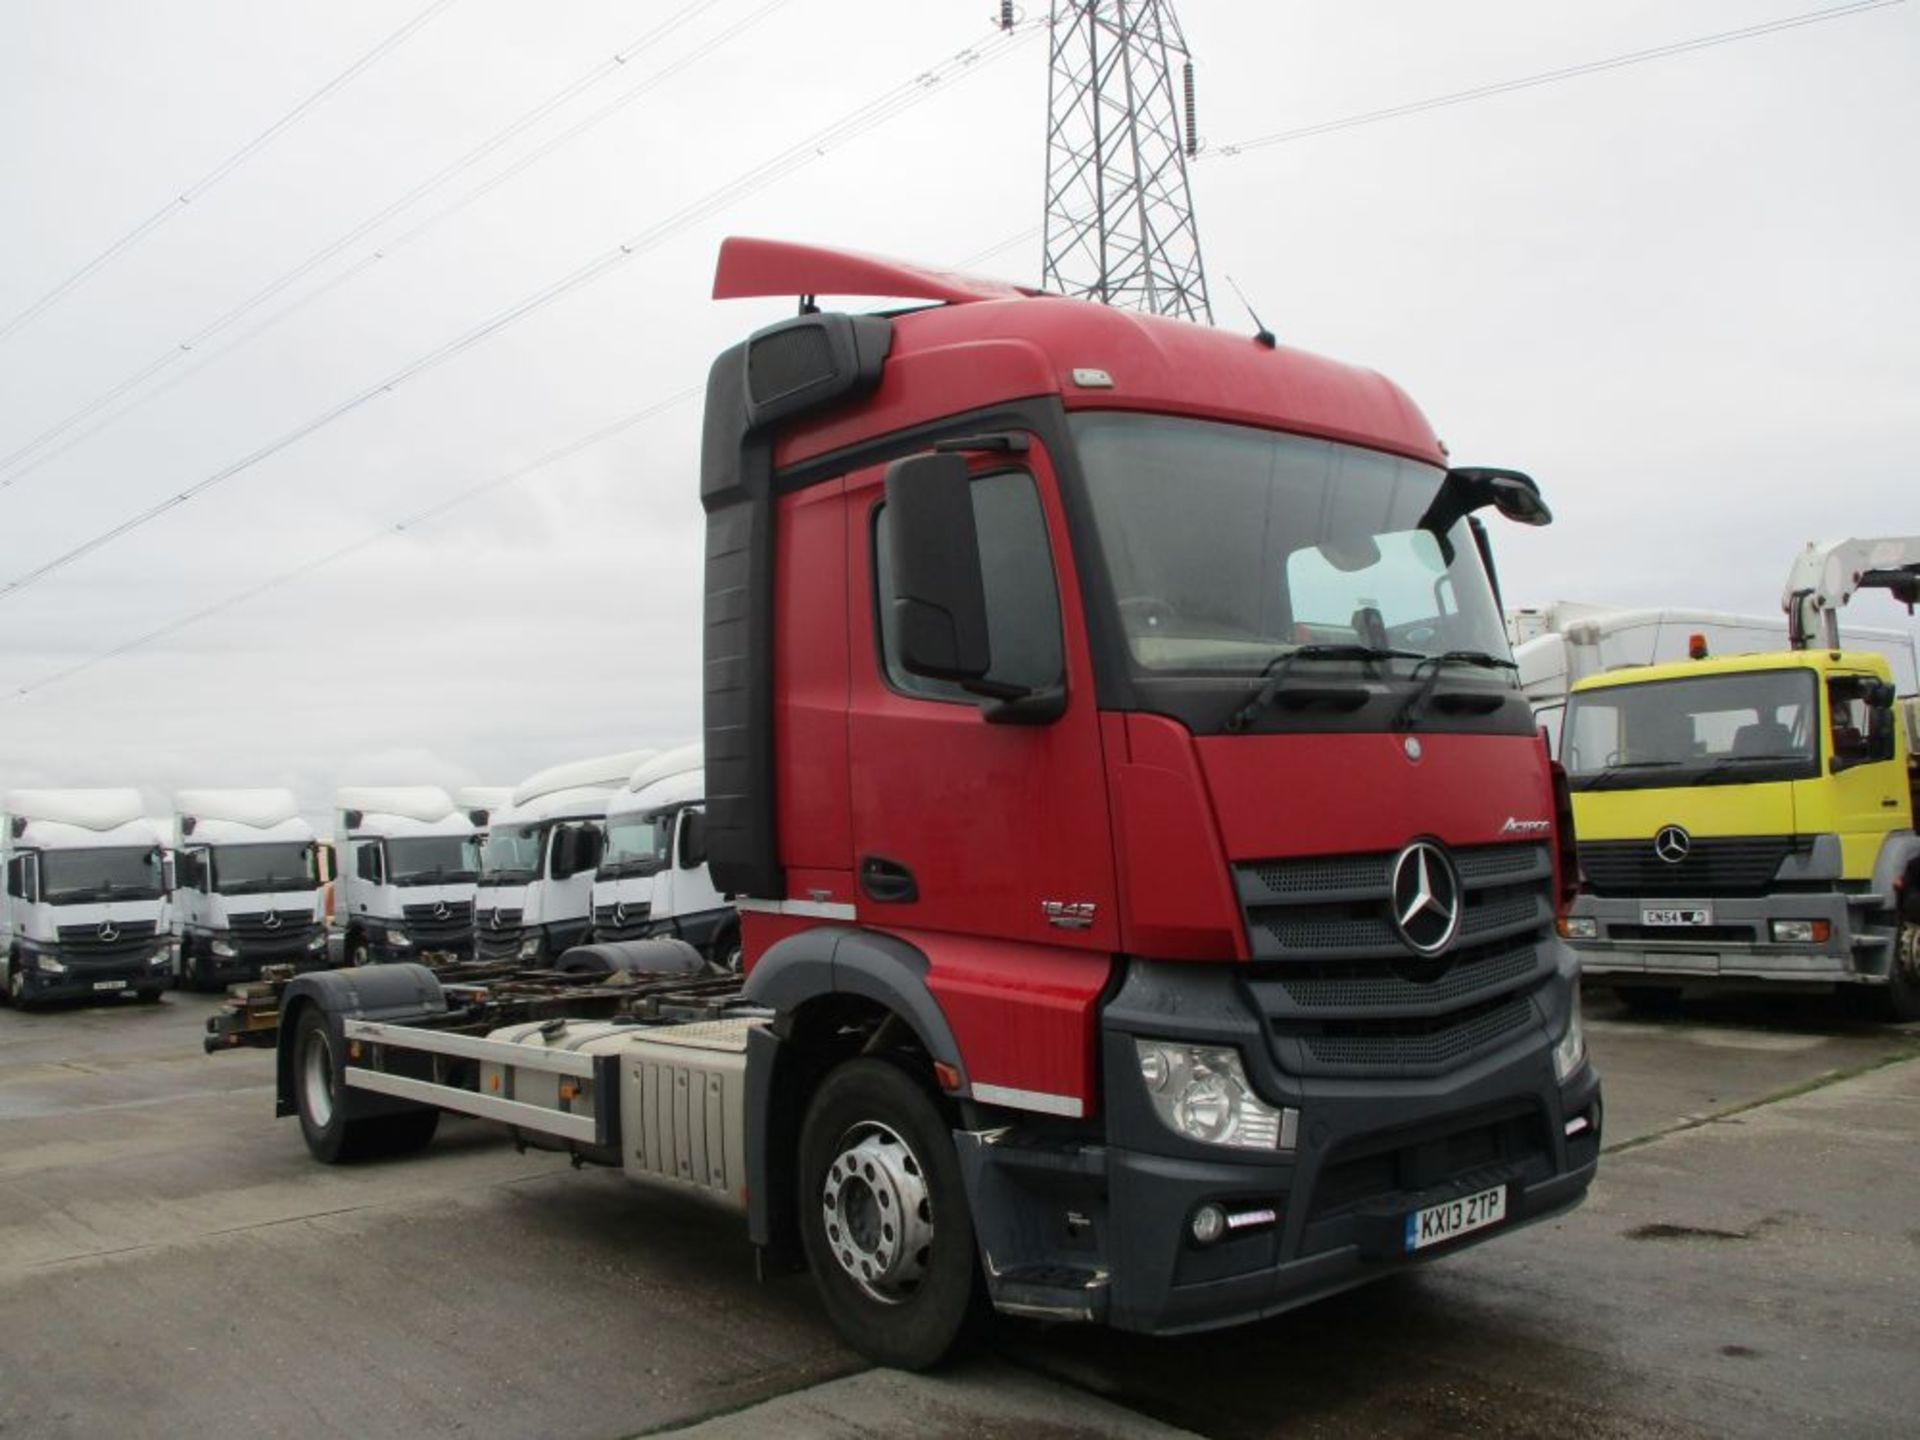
(82, 911)
(535, 895)
(1558, 644)
(653, 881)
(249, 871)
(409, 862)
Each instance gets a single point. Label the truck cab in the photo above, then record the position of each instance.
(535, 894)
(82, 907)
(409, 866)
(250, 871)
(1746, 821)
(652, 879)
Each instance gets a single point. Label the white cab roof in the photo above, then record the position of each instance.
(82, 809)
(425, 803)
(239, 817)
(483, 797)
(606, 772)
(676, 761)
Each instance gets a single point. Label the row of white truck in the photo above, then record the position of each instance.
(100, 897)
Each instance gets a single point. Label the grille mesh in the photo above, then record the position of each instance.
(1730, 865)
(1389, 1048)
(1379, 989)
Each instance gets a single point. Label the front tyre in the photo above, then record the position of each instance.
(883, 1217)
(1899, 1001)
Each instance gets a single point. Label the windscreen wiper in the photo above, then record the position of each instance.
(1599, 779)
(1274, 674)
(1728, 763)
(1436, 665)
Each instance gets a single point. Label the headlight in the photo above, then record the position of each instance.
(225, 949)
(530, 948)
(1571, 1053)
(160, 956)
(318, 942)
(50, 964)
(1201, 1092)
(399, 939)
(1579, 927)
(1801, 932)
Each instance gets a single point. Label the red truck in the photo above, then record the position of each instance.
(1147, 860)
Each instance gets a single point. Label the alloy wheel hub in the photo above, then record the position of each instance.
(879, 1219)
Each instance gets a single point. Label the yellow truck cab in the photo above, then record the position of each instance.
(1746, 821)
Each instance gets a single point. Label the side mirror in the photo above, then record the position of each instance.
(30, 878)
(939, 592)
(1880, 695)
(566, 854)
(692, 847)
(1512, 493)
(324, 863)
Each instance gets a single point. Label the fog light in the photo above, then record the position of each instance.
(1209, 1223)
(1801, 932)
(1579, 927)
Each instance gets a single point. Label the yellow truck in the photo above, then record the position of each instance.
(1748, 820)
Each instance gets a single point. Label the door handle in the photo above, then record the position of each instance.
(887, 882)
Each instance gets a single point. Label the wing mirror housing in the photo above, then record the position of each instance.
(1513, 493)
(939, 589)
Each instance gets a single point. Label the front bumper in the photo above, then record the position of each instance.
(1098, 1227)
(1738, 945)
(83, 979)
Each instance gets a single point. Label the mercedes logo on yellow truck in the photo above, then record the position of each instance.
(1672, 844)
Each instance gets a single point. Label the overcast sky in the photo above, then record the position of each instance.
(1682, 294)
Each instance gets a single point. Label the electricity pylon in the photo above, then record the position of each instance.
(1119, 224)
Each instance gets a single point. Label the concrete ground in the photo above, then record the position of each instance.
(172, 1263)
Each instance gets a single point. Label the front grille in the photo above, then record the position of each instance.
(289, 932)
(431, 930)
(1718, 865)
(1400, 1044)
(132, 939)
(1344, 995)
(496, 933)
(632, 922)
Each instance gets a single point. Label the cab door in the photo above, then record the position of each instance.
(1866, 771)
(961, 824)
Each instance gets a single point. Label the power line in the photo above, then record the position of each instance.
(795, 157)
(611, 65)
(219, 172)
(1484, 92)
(407, 522)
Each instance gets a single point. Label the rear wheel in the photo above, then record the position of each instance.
(359, 952)
(319, 1088)
(1899, 1000)
(883, 1215)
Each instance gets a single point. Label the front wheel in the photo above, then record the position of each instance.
(883, 1216)
(1899, 1001)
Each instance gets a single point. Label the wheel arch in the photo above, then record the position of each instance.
(834, 990)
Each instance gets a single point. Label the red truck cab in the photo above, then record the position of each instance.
(1109, 728)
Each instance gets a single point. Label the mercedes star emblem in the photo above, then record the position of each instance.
(619, 912)
(1426, 898)
(272, 922)
(108, 932)
(493, 920)
(440, 911)
(1672, 844)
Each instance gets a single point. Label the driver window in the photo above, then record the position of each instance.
(1023, 607)
(1858, 733)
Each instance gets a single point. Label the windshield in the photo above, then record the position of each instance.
(1757, 726)
(1229, 547)
(638, 844)
(512, 853)
(433, 860)
(72, 876)
(252, 869)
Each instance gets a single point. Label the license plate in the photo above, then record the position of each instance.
(109, 984)
(1456, 1217)
(1688, 915)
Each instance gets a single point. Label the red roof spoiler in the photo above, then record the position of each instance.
(777, 267)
